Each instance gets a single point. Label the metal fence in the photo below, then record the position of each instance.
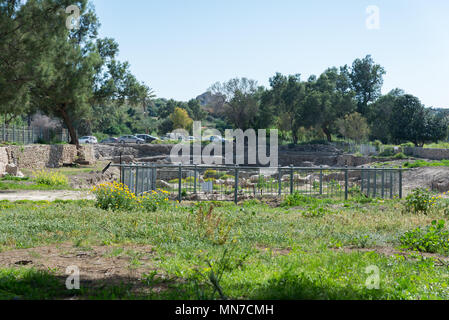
(30, 135)
(235, 183)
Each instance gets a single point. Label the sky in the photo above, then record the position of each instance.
(180, 48)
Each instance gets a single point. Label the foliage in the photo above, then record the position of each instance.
(434, 238)
(423, 163)
(209, 225)
(50, 178)
(180, 119)
(354, 126)
(420, 201)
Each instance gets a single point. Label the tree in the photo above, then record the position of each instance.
(366, 80)
(354, 126)
(327, 100)
(411, 121)
(196, 111)
(180, 119)
(27, 32)
(288, 95)
(75, 69)
(379, 114)
(240, 103)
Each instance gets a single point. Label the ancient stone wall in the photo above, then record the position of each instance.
(432, 154)
(43, 156)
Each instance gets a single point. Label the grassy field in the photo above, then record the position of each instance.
(318, 249)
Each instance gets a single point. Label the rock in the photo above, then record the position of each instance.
(162, 184)
(12, 169)
(125, 159)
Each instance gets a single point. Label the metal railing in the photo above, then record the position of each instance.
(235, 183)
(31, 135)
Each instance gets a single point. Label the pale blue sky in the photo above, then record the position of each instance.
(181, 47)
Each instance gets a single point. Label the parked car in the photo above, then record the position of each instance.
(216, 139)
(87, 139)
(109, 140)
(146, 137)
(191, 138)
(130, 139)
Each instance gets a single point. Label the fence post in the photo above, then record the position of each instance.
(291, 179)
(279, 180)
(13, 133)
(400, 182)
(391, 183)
(23, 135)
(236, 184)
(361, 178)
(153, 177)
(383, 183)
(136, 188)
(368, 188)
(321, 180)
(180, 183)
(194, 178)
(346, 182)
(375, 183)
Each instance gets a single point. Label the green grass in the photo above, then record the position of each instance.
(30, 186)
(263, 252)
(423, 163)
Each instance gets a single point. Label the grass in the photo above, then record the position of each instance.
(251, 251)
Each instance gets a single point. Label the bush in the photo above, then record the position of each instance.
(420, 201)
(377, 144)
(49, 178)
(209, 173)
(408, 145)
(116, 196)
(388, 152)
(434, 238)
(400, 155)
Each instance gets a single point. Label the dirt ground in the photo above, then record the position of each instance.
(98, 266)
(50, 195)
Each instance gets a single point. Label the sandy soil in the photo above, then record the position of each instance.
(50, 195)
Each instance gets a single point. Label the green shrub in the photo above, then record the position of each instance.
(116, 196)
(50, 178)
(400, 155)
(209, 173)
(388, 152)
(420, 201)
(377, 144)
(408, 145)
(434, 238)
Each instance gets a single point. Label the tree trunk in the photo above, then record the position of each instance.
(327, 133)
(68, 123)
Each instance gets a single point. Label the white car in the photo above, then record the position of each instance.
(216, 139)
(88, 139)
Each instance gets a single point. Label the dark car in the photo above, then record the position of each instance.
(146, 137)
(109, 140)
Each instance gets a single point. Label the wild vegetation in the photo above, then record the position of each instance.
(304, 249)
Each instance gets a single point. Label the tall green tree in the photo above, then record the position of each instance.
(74, 69)
(411, 121)
(366, 79)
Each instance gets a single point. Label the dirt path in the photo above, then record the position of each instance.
(50, 195)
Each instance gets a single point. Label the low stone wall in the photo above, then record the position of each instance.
(43, 156)
(432, 154)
